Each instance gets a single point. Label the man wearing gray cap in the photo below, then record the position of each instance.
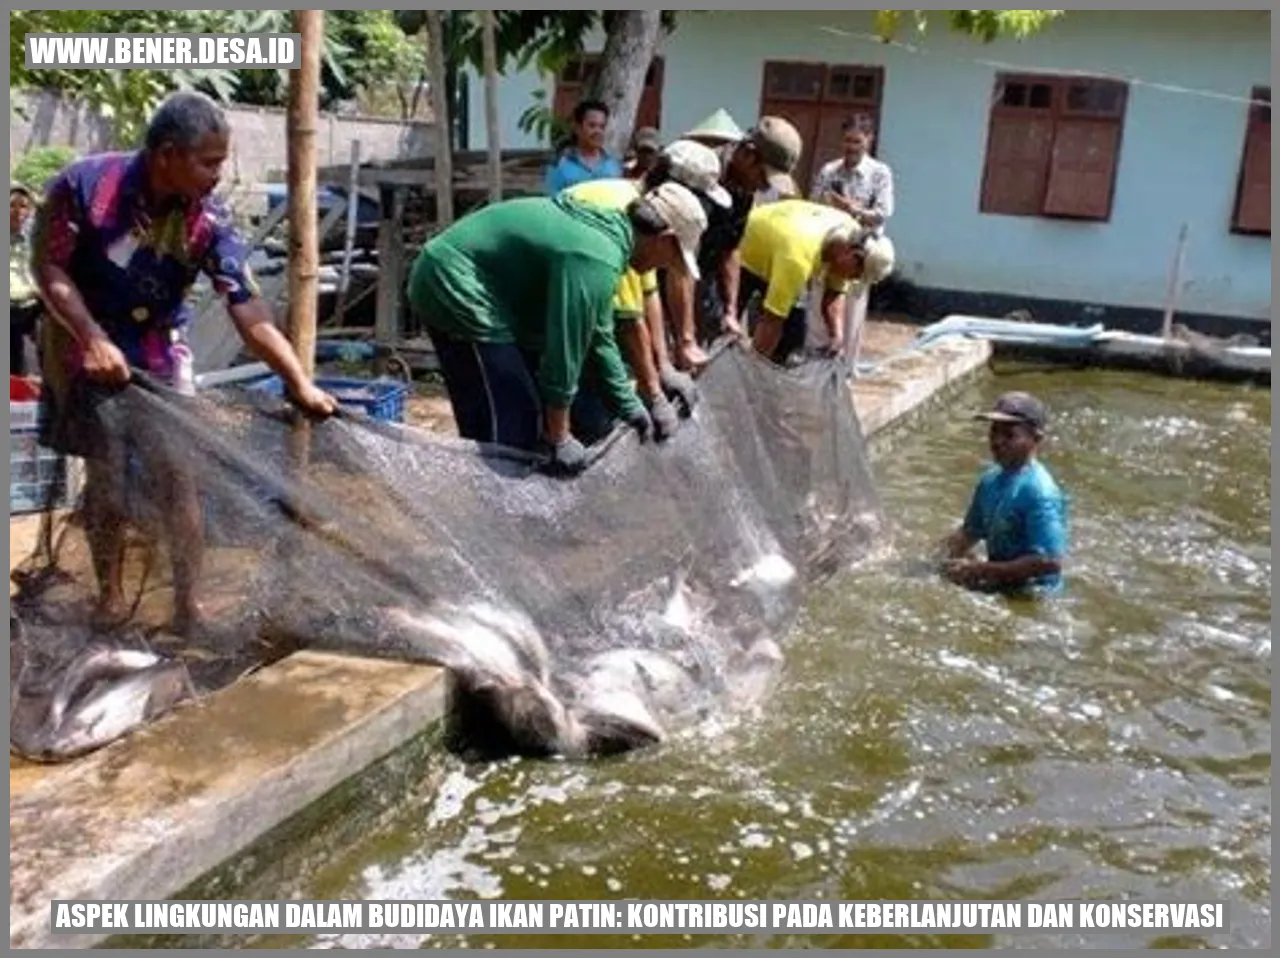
(762, 159)
(1017, 509)
(645, 146)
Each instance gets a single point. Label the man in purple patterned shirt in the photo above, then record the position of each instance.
(119, 241)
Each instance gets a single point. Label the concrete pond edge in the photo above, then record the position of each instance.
(205, 802)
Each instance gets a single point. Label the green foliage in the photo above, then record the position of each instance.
(985, 25)
(538, 119)
(363, 49)
(549, 39)
(125, 97)
(37, 166)
(381, 54)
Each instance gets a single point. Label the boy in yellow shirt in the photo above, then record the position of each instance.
(789, 244)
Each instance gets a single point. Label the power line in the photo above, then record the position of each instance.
(1021, 68)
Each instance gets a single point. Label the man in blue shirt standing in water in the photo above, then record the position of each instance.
(1017, 509)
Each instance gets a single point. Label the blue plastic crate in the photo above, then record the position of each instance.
(382, 399)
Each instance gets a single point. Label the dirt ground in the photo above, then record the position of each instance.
(887, 333)
(429, 407)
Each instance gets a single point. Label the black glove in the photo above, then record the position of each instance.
(568, 457)
(665, 419)
(679, 387)
(639, 420)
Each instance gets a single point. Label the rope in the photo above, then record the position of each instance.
(1057, 71)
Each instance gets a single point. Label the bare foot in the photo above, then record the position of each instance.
(690, 357)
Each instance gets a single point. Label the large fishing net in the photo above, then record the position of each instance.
(575, 616)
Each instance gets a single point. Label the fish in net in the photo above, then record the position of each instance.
(575, 617)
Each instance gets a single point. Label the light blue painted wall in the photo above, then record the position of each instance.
(1179, 158)
(515, 95)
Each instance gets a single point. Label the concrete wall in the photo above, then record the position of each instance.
(258, 136)
(1179, 159)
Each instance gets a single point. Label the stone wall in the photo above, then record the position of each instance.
(258, 136)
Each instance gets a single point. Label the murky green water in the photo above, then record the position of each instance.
(931, 744)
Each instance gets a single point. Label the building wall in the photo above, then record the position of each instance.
(258, 142)
(1179, 158)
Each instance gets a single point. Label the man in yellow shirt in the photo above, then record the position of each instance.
(789, 244)
(637, 305)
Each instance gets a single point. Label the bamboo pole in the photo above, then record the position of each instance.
(349, 245)
(1175, 280)
(490, 44)
(304, 253)
(440, 107)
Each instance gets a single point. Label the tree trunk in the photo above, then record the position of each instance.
(440, 106)
(492, 135)
(628, 52)
(304, 252)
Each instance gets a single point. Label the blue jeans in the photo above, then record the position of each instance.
(493, 389)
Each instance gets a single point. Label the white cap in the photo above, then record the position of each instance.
(683, 214)
(698, 167)
(879, 260)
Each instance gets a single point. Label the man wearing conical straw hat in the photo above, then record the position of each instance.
(717, 130)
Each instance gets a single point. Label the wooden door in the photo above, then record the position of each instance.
(817, 98)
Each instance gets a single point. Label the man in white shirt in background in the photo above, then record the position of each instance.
(861, 185)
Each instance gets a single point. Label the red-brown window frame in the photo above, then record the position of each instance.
(1056, 112)
(1258, 116)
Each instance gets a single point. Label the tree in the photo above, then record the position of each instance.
(628, 51)
(523, 38)
(548, 39)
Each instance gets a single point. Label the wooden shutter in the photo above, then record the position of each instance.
(1082, 169)
(1053, 147)
(1019, 143)
(1018, 152)
(1253, 194)
(650, 110)
(1086, 148)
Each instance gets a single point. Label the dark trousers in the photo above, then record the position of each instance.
(751, 293)
(22, 326)
(493, 389)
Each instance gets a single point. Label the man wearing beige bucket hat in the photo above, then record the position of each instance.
(791, 244)
(761, 158)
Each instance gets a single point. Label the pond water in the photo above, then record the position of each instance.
(926, 743)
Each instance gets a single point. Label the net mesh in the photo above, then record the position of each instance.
(575, 616)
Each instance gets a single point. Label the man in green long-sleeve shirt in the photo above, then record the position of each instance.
(518, 300)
